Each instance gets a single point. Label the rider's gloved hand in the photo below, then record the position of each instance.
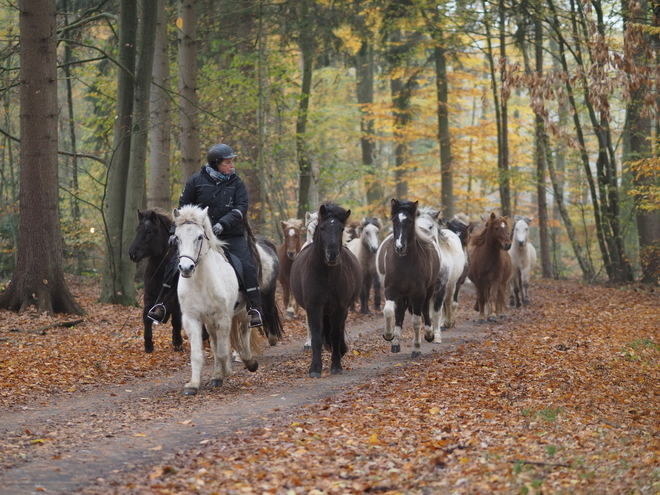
(217, 229)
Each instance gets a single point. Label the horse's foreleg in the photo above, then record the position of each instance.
(338, 343)
(417, 336)
(399, 314)
(308, 342)
(388, 314)
(148, 330)
(364, 295)
(480, 305)
(220, 343)
(524, 282)
(177, 340)
(194, 330)
(315, 326)
(376, 281)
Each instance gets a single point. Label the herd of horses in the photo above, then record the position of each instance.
(419, 267)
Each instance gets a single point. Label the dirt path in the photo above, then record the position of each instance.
(68, 444)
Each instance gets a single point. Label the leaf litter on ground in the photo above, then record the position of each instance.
(564, 398)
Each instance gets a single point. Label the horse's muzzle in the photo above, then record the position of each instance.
(331, 259)
(291, 254)
(507, 246)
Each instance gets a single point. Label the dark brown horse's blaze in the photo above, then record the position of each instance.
(326, 281)
(490, 267)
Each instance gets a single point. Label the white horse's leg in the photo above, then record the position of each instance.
(194, 330)
(388, 313)
(417, 336)
(434, 332)
(222, 351)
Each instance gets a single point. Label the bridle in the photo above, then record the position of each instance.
(196, 260)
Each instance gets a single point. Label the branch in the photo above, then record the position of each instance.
(42, 330)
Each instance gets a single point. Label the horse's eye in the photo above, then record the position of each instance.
(200, 237)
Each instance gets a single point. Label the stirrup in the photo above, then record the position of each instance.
(255, 318)
(157, 313)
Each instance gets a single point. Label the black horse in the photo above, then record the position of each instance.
(150, 242)
(326, 280)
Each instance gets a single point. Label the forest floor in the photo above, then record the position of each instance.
(562, 396)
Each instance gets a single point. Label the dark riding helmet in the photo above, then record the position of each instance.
(219, 152)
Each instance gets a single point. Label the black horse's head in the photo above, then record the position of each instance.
(403, 214)
(330, 230)
(151, 235)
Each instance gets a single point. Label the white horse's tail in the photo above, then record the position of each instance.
(236, 339)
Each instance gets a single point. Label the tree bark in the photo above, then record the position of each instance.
(188, 102)
(112, 290)
(135, 183)
(444, 138)
(38, 278)
(304, 163)
(503, 162)
(159, 194)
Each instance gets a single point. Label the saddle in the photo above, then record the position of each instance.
(236, 264)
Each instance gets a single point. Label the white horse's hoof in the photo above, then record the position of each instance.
(216, 382)
(390, 339)
(429, 337)
(396, 348)
(189, 391)
(416, 354)
(314, 374)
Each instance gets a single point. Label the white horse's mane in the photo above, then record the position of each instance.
(196, 215)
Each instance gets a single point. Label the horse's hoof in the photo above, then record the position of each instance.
(481, 320)
(437, 339)
(148, 348)
(502, 317)
(189, 391)
(272, 340)
(315, 374)
(390, 339)
(307, 347)
(289, 314)
(429, 338)
(252, 366)
(416, 354)
(336, 371)
(216, 382)
(178, 348)
(526, 302)
(396, 348)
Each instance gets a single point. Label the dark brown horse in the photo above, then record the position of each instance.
(287, 251)
(408, 264)
(326, 281)
(150, 242)
(490, 267)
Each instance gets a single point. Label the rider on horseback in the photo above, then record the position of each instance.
(218, 187)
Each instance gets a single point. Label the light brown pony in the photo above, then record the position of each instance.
(490, 267)
(287, 251)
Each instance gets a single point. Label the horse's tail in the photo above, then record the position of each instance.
(252, 244)
(271, 317)
(327, 337)
(236, 340)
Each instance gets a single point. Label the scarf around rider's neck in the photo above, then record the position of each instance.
(216, 175)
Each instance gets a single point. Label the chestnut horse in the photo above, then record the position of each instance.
(490, 267)
(287, 251)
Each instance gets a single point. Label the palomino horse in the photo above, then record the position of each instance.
(287, 251)
(523, 259)
(209, 296)
(326, 280)
(452, 263)
(364, 248)
(408, 265)
(150, 242)
(490, 267)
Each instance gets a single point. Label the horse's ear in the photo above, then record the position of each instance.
(322, 210)
(175, 213)
(283, 225)
(492, 215)
(529, 220)
(205, 211)
(140, 215)
(348, 214)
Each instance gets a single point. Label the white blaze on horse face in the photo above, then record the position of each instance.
(292, 232)
(398, 242)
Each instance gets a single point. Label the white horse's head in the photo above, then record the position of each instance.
(311, 221)
(194, 237)
(521, 230)
(427, 222)
(370, 233)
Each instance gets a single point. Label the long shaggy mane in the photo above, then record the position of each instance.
(196, 215)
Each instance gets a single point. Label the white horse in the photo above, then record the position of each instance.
(209, 296)
(452, 264)
(523, 259)
(364, 248)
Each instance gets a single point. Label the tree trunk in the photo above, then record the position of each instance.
(505, 188)
(304, 164)
(364, 65)
(135, 183)
(38, 278)
(541, 139)
(188, 107)
(112, 290)
(159, 194)
(444, 139)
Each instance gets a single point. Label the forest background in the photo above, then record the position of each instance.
(546, 109)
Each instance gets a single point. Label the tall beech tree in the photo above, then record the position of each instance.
(38, 278)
